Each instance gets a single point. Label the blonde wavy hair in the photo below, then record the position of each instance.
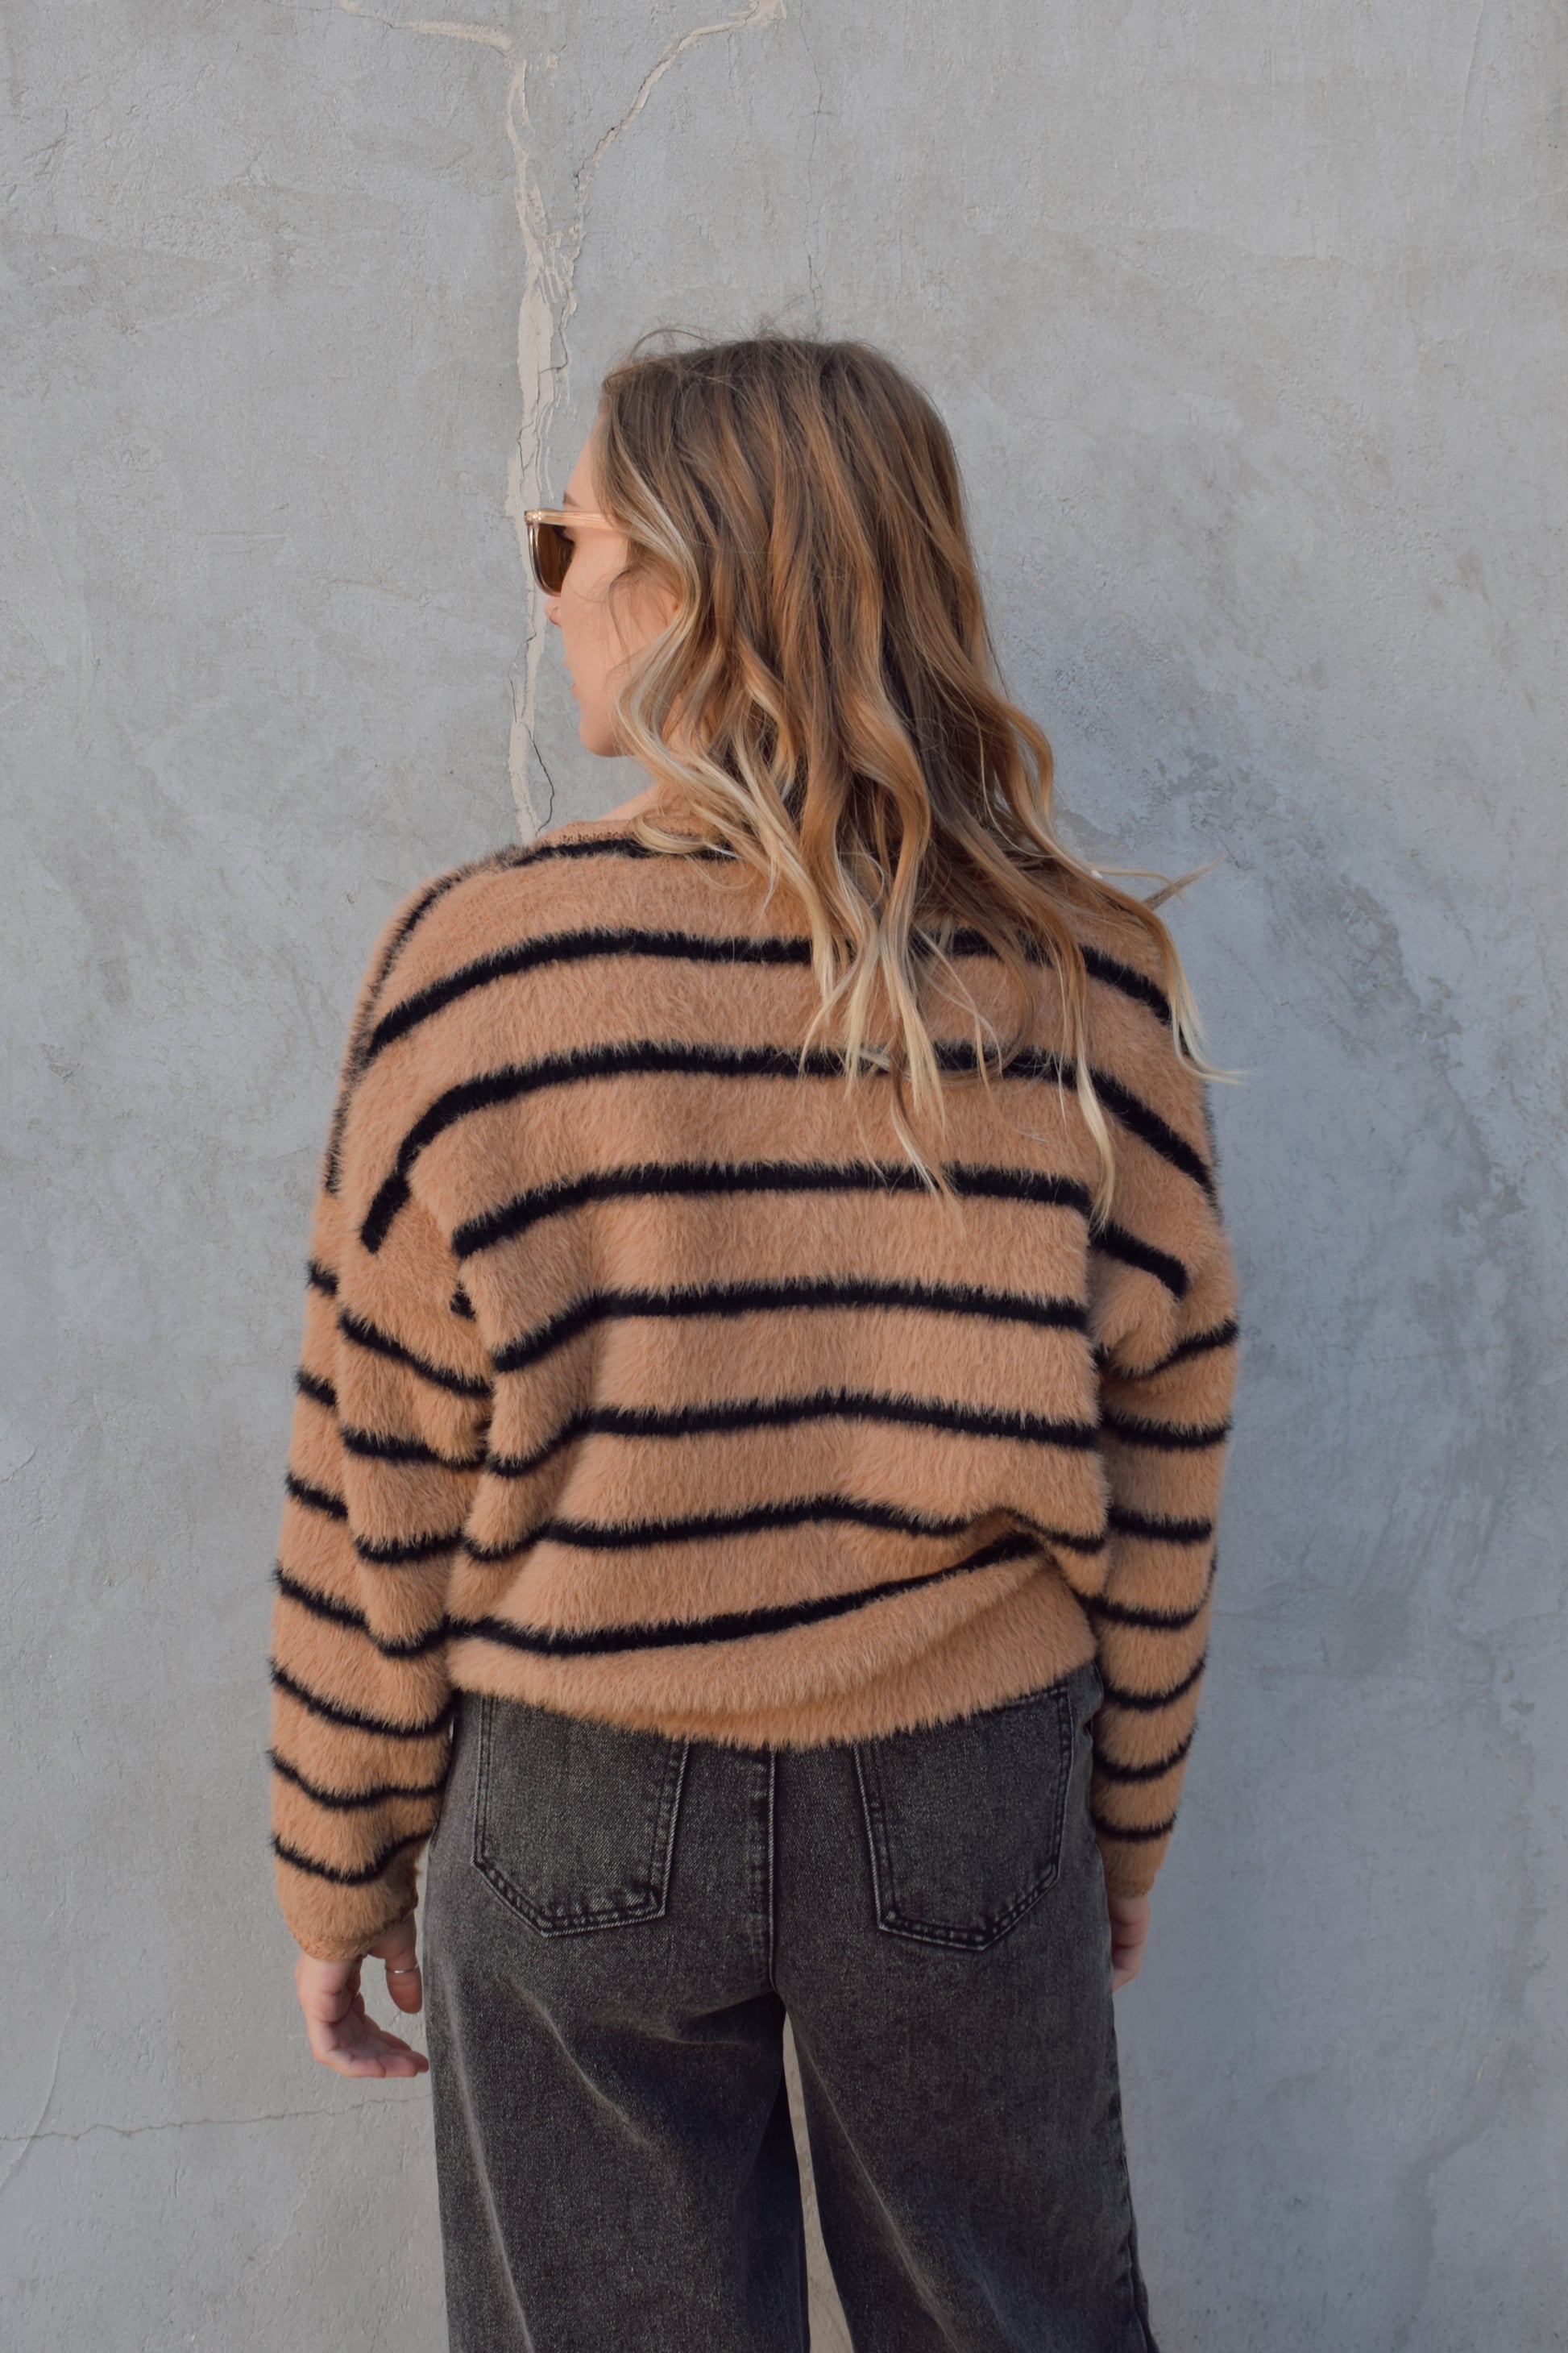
(826, 703)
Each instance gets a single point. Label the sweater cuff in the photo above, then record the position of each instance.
(1130, 1865)
(340, 1924)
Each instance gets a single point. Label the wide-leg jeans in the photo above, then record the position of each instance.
(615, 1926)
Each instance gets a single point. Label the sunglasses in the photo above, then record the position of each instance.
(549, 551)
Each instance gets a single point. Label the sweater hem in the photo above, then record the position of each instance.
(1034, 1635)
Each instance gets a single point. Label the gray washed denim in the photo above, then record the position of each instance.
(615, 1926)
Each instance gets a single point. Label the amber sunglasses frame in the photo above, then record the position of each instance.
(552, 520)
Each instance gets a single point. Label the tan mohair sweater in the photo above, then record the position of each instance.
(632, 1386)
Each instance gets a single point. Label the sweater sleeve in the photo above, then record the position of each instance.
(1164, 1303)
(387, 1441)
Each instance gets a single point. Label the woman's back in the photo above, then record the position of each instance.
(674, 1395)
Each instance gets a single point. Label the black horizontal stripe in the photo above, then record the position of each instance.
(320, 1605)
(591, 942)
(1171, 1436)
(1147, 1703)
(1155, 1621)
(389, 1553)
(461, 1305)
(343, 1613)
(321, 1278)
(775, 949)
(603, 845)
(334, 1712)
(790, 1511)
(1108, 969)
(316, 1499)
(340, 1878)
(785, 1297)
(353, 1800)
(575, 1066)
(1129, 980)
(1154, 1528)
(1108, 1768)
(653, 1057)
(402, 1552)
(732, 1626)
(1125, 1831)
(1221, 1335)
(433, 892)
(311, 1384)
(391, 949)
(650, 1178)
(1141, 1120)
(495, 861)
(432, 895)
(1115, 1242)
(738, 1415)
(391, 1446)
(382, 1343)
(615, 845)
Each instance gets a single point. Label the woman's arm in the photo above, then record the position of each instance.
(387, 1441)
(1167, 1334)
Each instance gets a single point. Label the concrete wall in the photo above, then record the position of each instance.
(1249, 320)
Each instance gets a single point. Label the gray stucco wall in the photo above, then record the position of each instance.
(1250, 321)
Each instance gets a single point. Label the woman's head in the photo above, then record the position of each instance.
(794, 508)
(780, 618)
(608, 608)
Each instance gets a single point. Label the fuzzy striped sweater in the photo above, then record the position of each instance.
(642, 1377)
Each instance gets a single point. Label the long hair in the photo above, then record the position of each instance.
(826, 703)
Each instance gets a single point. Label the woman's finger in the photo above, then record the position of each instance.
(407, 1988)
(1129, 1916)
(368, 2050)
(405, 1981)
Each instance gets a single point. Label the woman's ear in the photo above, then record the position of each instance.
(662, 597)
(645, 603)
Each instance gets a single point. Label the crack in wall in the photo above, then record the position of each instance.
(184, 2123)
(27, 2138)
(549, 300)
(814, 240)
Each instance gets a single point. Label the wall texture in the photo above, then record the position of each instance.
(1249, 320)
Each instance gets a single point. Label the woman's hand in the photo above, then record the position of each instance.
(1129, 1935)
(342, 2037)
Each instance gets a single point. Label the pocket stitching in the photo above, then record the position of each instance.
(893, 1922)
(544, 1923)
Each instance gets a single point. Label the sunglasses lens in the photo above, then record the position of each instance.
(551, 552)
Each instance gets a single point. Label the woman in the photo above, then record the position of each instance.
(767, 1382)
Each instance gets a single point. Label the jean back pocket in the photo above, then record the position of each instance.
(574, 1820)
(964, 1820)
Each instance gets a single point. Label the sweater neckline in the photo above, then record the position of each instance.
(613, 827)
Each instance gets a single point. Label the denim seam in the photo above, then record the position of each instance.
(1127, 2259)
(773, 1791)
(1115, 2122)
